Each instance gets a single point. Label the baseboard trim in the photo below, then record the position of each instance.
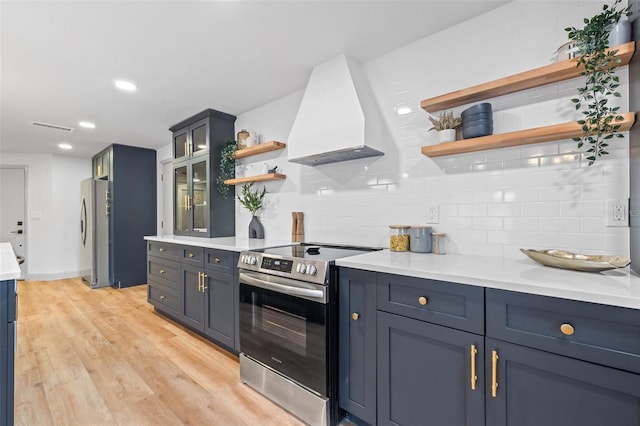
(52, 276)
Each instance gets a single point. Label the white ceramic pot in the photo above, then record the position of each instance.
(447, 135)
(251, 140)
(620, 33)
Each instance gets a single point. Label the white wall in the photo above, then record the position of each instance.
(53, 211)
(491, 202)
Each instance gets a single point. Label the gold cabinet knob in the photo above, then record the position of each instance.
(162, 271)
(163, 297)
(355, 316)
(190, 255)
(216, 260)
(567, 329)
(161, 249)
(422, 300)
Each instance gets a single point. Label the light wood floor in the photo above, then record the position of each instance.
(103, 357)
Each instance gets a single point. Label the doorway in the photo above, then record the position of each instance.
(13, 226)
(166, 221)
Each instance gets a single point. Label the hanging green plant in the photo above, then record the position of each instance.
(601, 121)
(227, 168)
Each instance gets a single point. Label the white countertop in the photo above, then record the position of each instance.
(9, 269)
(617, 287)
(223, 243)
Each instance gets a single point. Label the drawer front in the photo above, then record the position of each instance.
(449, 304)
(164, 250)
(168, 271)
(603, 334)
(163, 297)
(221, 261)
(192, 255)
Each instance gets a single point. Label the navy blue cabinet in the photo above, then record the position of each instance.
(526, 386)
(428, 374)
(197, 287)
(131, 205)
(357, 343)
(539, 361)
(7, 349)
(198, 208)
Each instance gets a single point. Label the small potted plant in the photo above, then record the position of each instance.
(252, 201)
(601, 122)
(446, 126)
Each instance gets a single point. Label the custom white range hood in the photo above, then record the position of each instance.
(338, 119)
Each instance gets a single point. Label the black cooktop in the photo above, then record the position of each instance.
(317, 251)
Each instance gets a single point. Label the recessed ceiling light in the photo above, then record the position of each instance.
(64, 146)
(127, 86)
(87, 125)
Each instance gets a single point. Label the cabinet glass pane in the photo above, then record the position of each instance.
(199, 138)
(200, 199)
(180, 144)
(181, 193)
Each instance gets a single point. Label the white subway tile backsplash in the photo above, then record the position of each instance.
(490, 202)
(541, 209)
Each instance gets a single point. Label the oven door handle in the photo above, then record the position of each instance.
(292, 290)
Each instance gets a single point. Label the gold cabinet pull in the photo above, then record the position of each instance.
(190, 255)
(494, 373)
(204, 286)
(217, 260)
(163, 297)
(474, 377)
(567, 329)
(186, 204)
(186, 150)
(162, 271)
(161, 249)
(199, 281)
(355, 316)
(422, 300)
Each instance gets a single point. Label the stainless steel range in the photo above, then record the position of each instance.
(289, 326)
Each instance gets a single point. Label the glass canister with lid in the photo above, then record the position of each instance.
(399, 240)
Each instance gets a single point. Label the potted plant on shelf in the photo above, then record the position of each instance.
(446, 126)
(227, 168)
(601, 122)
(252, 201)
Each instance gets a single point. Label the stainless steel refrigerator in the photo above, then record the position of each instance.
(94, 232)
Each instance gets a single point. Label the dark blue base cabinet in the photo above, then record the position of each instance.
(7, 349)
(417, 353)
(198, 288)
(539, 388)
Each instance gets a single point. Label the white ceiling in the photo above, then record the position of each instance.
(59, 59)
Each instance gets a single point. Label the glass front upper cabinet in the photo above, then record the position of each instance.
(191, 141)
(199, 197)
(181, 197)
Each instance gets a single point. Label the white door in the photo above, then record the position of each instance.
(166, 222)
(12, 210)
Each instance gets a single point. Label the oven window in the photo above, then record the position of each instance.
(286, 333)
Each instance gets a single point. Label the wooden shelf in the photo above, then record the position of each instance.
(537, 77)
(259, 149)
(257, 178)
(520, 137)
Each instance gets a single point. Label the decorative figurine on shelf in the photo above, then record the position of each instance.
(252, 201)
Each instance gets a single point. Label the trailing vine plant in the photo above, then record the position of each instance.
(600, 123)
(227, 168)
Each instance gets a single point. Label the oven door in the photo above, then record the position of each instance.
(283, 325)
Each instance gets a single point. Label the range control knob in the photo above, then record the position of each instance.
(302, 268)
(243, 258)
(312, 270)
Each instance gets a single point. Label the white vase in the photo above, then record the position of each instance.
(447, 135)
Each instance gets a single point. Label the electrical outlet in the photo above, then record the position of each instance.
(617, 213)
(432, 213)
